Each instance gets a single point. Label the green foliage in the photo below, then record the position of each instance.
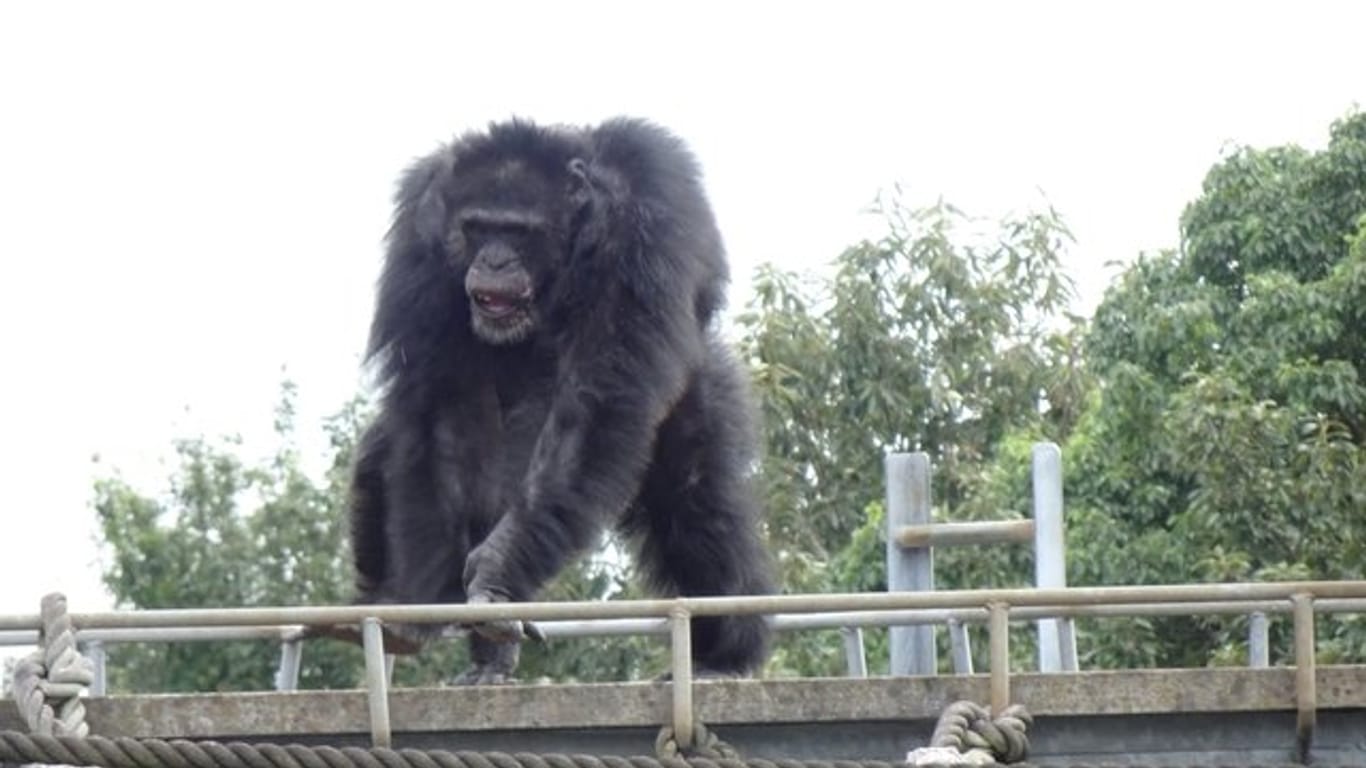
(1225, 440)
(230, 534)
(939, 336)
(1228, 442)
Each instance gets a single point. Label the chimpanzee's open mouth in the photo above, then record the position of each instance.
(497, 305)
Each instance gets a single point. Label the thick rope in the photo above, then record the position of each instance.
(156, 753)
(967, 734)
(706, 744)
(49, 683)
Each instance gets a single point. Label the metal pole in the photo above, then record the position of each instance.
(908, 503)
(1050, 558)
(1258, 640)
(999, 639)
(971, 533)
(782, 622)
(99, 658)
(681, 648)
(855, 661)
(287, 675)
(1306, 684)
(1067, 637)
(1056, 601)
(961, 647)
(376, 683)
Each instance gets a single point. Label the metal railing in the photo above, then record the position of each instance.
(912, 536)
(787, 612)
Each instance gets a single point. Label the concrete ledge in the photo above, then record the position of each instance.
(760, 702)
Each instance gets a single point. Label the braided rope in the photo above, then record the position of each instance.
(49, 683)
(157, 753)
(706, 744)
(967, 734)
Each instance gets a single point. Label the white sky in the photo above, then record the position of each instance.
(192, 196)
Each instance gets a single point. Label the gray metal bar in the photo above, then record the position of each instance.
(604, 627)
(681, 648)
(1189, 608)
(291, 656)
(960, 647)
(909, 570)
(1306, 685)
(1258, 640)
(782, 621)
(1050, 567)
(99, 659)
(1067, 638)
(855, 659)
(964, 533)
(1058, 601)
(999, 639)
(162, 634)
(376, 683)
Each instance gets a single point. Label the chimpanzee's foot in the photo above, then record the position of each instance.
(702, 672)
(484, 674)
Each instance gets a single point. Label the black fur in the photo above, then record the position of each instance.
(504, 446)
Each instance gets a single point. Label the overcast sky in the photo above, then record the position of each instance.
(192, 195)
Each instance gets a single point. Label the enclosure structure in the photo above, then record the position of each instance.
(912, 536)
(1227, 716)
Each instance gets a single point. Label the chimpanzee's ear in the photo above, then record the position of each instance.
(587, 208)
(421, 199)
(578, 176)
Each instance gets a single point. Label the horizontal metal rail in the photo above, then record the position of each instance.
(965, 533)
(1058, 601)
(783, 622)
(997, 607)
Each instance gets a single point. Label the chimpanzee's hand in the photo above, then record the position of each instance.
(503, 630)
(479, 568)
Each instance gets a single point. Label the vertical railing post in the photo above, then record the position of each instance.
(855, 659)
(1067, 640)
(99, 659)
(680, 626)
(376, 683)
(291, 655)
(908, 503)
(1050, 556)
(998, 638)
(1258, 640)
(1306, 674)
(960, 647)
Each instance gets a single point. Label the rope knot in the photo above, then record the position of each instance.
(967, 734)
(705, 745)
(49, 683)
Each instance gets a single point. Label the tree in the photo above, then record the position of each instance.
(1227, 440)
(230, 534)
(940, 336)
